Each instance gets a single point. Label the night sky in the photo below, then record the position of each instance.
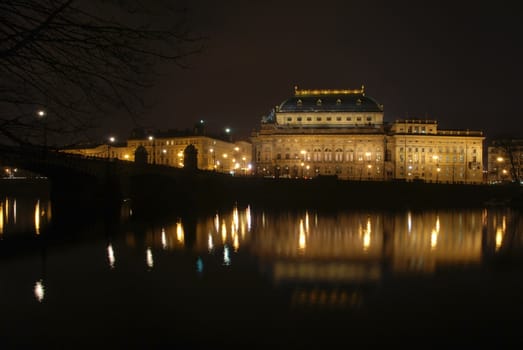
(458, 64)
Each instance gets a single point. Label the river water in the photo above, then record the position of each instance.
(243, 276)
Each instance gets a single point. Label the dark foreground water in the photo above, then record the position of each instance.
(248, 278)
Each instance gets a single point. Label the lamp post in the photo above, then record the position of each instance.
(436, 160)
(499, 160)
(213, 158)
(153, 158)
(41, 114)
(111, 141)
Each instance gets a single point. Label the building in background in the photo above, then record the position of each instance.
(342, 133)
(505, 160)
(168, 148)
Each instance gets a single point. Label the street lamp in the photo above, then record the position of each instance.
(41, 115)
(153, 158)
(111, 141)
(499, 160)
(436, 160)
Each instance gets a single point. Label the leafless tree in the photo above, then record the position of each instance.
(77, 60)
(512, 149)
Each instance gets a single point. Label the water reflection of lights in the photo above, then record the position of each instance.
(434, 235)
(302, 240)
(199, 265)
(366, 235)
(217, 223)
(210, 244)
(409, 222)
(164, 239)
(180, 235)
(149, 258)
(39, 290)
(37, 217)
(226, 257)
(110, 256)
(14, 211)
(1, 218)
(500, 232)
(224, 232)
(248, 217)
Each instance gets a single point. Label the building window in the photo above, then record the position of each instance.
(329, 119)
(318, 119)
(317, 155)
(289, 119)
(338, 119)
(338, 102)
(339, 155)
(298, 119)
(328, 155)
(348, 119)
(309, 119)
(318, 102)
(369, 118)
(299, 103)
(358, 119)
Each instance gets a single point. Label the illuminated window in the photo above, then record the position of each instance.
(318, 102)
(299, 103)
(338, 102)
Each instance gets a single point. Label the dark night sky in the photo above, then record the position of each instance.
(458, 64)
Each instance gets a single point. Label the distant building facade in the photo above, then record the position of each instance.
(342, 133)
(169, 149)
(505, 160)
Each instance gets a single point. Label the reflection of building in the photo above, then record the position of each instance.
(342, 133)
(505, 160)
(168, 149)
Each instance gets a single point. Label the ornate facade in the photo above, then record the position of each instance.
(342, 133)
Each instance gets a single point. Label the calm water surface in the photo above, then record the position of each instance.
(245, 276)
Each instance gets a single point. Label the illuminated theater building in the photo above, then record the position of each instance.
(342, 133)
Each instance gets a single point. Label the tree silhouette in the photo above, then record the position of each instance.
(75, 61)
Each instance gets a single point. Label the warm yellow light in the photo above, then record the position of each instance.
(369, 166)
(151, 138)
(37, 217)
(302, 239)
(435, 157)
(180, 154)
(179, 232)
(438, 169)
(499, 237)
(303, 152)
(225, 155)
(499, 159)
(236, 149)
(433, 239)
(505, 171)
(126, 156)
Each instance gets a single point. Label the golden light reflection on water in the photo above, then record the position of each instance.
(37, 217)
(1, 218)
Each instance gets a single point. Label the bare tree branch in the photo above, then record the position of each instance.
(80, 60)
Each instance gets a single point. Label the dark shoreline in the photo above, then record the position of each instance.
(198, 193)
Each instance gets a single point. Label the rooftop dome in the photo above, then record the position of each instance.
(330, 100)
